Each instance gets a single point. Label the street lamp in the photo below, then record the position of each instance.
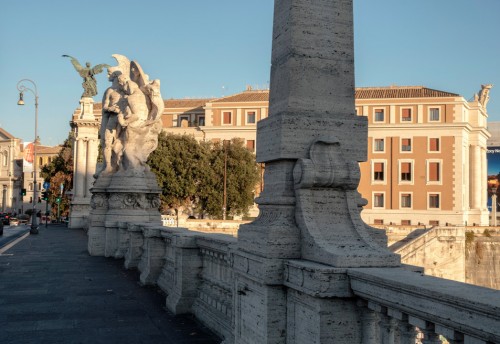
(22, 88)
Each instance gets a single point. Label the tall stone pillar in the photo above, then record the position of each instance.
(484, 179)
(85, 128)
(476, 177)
(311, 143)
(92, 152)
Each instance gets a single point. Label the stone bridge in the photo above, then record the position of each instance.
(308, 270)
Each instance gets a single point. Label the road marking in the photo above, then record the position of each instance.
(5, 248)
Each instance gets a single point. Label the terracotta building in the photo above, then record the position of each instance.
(426, 148)
(426, 157)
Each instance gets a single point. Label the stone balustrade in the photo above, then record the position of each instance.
(378, 305)
(400, 302)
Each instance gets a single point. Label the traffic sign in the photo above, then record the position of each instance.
(46, 185)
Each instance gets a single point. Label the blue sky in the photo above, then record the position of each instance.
(200, 48)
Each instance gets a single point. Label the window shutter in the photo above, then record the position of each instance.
(378, 167)
(406, 113)
(434, 144)
(405, 167)
(434, 171)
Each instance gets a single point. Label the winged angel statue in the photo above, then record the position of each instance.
(131, 118)
(87, 73)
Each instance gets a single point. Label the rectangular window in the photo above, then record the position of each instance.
(434, 114)
(379, 115)
(434, 201)
(406, 115)
(251, 117)
(378, 222)
(406, 171)
(434, 172)
(405, 200)
(378, 171)
(251, 145)
(434, 222)
(406, 145)
(406, 222)
(226, 117)
(434, 145)
(201, 121)
(378, 145)
(378, 200)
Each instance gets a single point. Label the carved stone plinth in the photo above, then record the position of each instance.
(116, 199)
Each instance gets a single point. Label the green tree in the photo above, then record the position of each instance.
(242, 176)
(181, 166)
(191, 174)
(60, 171)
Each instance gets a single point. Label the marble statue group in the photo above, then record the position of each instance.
(131, 114)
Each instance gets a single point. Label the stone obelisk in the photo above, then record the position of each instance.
(311, 144)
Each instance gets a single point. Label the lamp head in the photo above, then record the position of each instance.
(21, 101)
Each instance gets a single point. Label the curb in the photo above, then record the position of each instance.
(5, 241)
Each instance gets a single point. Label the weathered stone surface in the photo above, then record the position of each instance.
(179, 278)
(153, 256)
(469, 309)
(135, 247)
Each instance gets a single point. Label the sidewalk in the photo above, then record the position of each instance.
(52, 291)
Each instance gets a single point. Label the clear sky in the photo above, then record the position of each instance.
(200, 48)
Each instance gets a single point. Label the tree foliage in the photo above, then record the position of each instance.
(60, 171)
(180, 164)
(241, 179)
(191, 174)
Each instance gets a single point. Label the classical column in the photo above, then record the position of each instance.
(91, 162)
(80, 168)
(484, 180)
(476, 177)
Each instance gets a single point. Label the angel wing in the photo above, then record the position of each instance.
(98, 68)
(76, 64)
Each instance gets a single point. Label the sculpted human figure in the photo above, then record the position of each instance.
(110, 129)
(87, 73)
(484, 96)
(131, 118)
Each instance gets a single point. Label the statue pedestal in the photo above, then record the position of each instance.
(120, 198)
(85, 127)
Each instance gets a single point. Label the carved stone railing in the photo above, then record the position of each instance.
(214, 304)
(357, 305)
(399, 304)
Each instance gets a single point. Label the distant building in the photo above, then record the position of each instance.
(426, 157)
(16, 177)
(426, 161)
(10, 171)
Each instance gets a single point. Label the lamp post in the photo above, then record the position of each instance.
(22, 88)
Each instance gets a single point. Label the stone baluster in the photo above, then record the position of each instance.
(429, 335)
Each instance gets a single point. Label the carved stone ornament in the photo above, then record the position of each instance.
(327, 210)
(98, 201)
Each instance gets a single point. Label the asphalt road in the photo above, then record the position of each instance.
(52, 291)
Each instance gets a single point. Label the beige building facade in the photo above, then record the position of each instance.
(426, 157)
(14, 179)
(426, 148)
